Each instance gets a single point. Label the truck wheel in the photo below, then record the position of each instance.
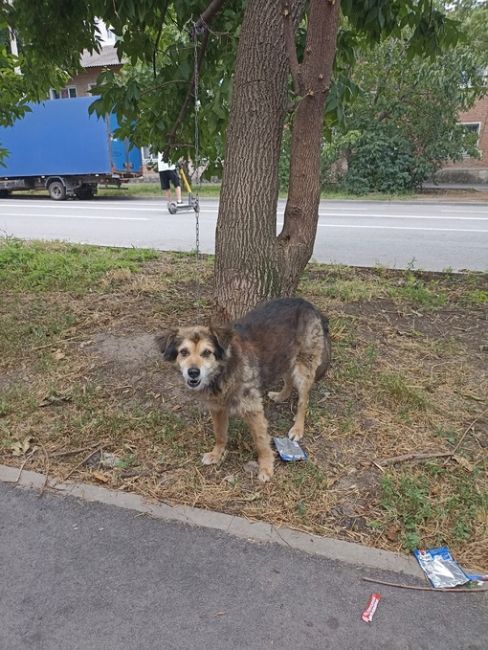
(57, 191)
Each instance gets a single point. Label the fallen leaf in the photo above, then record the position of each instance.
(393, 531)
(464, 462)
(100, 477)
(21, 447)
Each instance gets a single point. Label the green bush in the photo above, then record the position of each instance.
(381, 163)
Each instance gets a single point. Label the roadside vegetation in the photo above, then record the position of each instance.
(212, 191)
(84, 395)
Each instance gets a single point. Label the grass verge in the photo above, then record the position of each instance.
(79, 374)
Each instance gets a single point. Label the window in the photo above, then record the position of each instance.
(148, 156)
(64, 93)
(474, 128)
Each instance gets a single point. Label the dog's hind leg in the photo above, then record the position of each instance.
(259, 430)
(285, 392)
(303, 378)
(220, 420)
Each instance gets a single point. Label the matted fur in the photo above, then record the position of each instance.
(229, 367)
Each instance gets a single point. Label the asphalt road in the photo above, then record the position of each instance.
(83, 576)
(425, 235)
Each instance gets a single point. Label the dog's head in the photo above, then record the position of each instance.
(199, 352)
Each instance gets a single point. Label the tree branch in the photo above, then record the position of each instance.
(291, 49)
(201, 24)
(158, 38)
(455, 590)
(200, 27)
(190, 90)
(406, 458)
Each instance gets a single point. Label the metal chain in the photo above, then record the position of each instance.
(196, 163)
(196, 140)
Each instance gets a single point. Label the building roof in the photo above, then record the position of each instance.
(105, 58)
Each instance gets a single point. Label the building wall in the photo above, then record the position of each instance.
(479, 113)
(470, 170)
(88, 77)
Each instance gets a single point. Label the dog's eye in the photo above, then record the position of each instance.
(184, 352)
(206, 353)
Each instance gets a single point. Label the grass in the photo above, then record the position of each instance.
(62, 267)
(434, 499)
(78, 371)
(207, 190)
(151, 189)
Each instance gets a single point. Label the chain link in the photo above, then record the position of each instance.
(196, 163)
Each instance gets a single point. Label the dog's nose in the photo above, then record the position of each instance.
(193, 373)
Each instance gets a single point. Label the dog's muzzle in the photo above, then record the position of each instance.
(193, 380)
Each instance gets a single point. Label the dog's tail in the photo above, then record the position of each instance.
(326, 353)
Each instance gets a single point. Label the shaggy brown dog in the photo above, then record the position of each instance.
(228, 367)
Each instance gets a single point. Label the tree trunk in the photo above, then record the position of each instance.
(253, 264)
(246, 269)
(297, 237)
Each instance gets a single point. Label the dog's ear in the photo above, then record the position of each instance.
(167, 343)
(222, 336)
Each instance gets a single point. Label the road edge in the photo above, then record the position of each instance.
(254, 531)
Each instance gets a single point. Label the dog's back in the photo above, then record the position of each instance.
(285, 332)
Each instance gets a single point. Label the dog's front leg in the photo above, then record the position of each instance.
(220, 418)
(259, 430)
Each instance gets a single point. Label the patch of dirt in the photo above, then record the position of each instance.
(135, 349)
(444, 324)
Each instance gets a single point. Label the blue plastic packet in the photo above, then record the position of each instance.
(289, 450)
(477, 577)
(440, 568)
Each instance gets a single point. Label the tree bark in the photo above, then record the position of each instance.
(297, 237)
(246, 269)
(252, 263)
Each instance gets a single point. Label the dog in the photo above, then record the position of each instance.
(229, 366)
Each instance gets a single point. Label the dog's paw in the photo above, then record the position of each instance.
(211, 458)
(265, 474)
(295, 433)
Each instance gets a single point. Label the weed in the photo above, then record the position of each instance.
(309, 477)
(447, 433)
(393, 387)
(433, 497)
(416, 291)
(474, 297)
(126, 462)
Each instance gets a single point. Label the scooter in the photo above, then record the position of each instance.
(192, 203)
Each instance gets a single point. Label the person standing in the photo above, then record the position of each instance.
(168, 174)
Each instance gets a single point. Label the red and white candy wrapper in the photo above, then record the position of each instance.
(367, 615)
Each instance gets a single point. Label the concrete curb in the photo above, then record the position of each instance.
(255, 531)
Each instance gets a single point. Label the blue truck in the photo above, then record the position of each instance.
(60, 147)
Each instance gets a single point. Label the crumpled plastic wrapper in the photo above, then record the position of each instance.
(440, 568)
(289, 450)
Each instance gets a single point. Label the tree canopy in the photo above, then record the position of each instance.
(153, 95)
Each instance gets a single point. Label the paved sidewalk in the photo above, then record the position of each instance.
(76, 576)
